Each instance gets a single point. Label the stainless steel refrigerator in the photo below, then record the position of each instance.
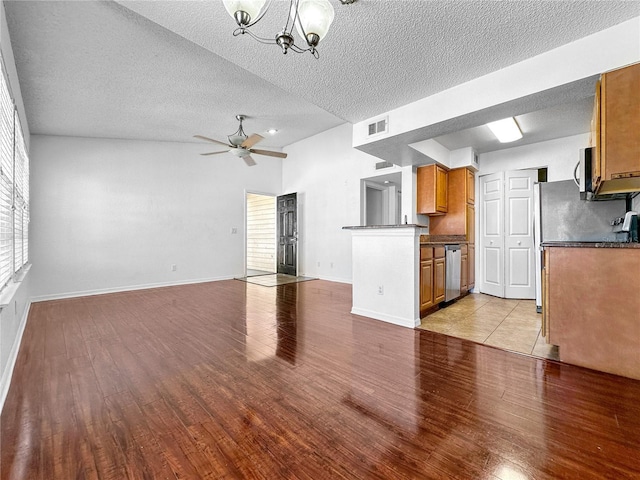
(560, 215)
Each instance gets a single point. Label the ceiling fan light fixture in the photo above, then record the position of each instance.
(506, 130)
(238, 137)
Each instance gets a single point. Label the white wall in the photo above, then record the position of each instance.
(559, 156)
(110, 215)
(326, 171)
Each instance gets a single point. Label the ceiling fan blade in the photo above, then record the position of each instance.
(214, 153)
(269, 153)
(211, 140)
(249, 161)
(251, 141)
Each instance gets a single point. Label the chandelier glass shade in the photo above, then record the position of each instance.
(312, 19)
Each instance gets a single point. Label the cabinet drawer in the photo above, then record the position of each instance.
(464, 249)
(426, 253)
(438, 252)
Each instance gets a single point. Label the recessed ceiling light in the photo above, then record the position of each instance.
(387, 181)
(506, 130)
(272, 131)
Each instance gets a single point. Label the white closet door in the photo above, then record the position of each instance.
(519, 249)
(492, 234)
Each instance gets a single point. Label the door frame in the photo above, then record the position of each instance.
(480, 253)
(295, 235)
(246, 230)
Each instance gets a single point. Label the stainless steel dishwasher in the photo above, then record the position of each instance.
(453, 258)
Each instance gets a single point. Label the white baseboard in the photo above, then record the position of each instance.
(403, 322)
(332, 279)
(103, 291)
(5, 381)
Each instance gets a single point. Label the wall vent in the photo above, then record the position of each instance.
(380, 165)
(379, 126)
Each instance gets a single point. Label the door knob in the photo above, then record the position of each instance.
(519, 242)
(490, 242)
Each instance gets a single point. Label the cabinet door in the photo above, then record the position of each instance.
(439, 286)
(426, 284)
(545, 296)
(471, 187)
(441, 189)
(471, 260)
(596, 172)
(471, 224)
(431, 194)
(464, 273)
(620, 123)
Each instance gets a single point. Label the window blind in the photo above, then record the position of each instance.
(14, 187)
(6, 182)
(21, 195)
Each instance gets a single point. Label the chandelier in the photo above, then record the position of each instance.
(312, 19)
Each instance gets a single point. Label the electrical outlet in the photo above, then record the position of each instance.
(234, 231)
(174, 267)
(331, 264)
(318, 263)
(380, 289)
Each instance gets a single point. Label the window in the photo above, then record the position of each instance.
(14, 188)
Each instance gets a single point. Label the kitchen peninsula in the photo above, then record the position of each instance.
(591, 304)
(386, 270)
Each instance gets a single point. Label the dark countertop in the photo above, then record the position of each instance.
(576, 244)
(370, 227)
(443, 239)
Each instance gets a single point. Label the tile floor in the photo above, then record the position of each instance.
(505, 323)
(274, 279)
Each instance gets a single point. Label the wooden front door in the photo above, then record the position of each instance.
(288, 234)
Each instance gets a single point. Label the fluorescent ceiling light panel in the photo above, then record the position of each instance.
(506, 130)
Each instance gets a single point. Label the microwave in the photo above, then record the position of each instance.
(582, 176)
(582, 173)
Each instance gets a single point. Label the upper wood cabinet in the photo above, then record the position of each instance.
(432, 190)
(470, 187)
(616, 132)
(460, 217)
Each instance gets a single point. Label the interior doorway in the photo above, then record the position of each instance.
(287, 234)
(381, 200)
(507, 252)
(260, 244)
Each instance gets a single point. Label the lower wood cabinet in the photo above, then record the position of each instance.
(432, 277)
(471, 276)
(464, 269)
(439, 281)
(426, 284)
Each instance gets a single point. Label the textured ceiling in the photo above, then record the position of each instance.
(170, 69)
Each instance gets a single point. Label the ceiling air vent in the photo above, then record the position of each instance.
(379, 126)
(380, 165)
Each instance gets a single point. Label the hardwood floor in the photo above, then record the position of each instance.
(229, 380)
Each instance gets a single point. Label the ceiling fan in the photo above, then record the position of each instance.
(240, 145)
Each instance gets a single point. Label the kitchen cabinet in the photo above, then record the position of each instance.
(432, 190)
(432, 277)
(471, 280)
(461, 215)
(544, 330)
(464, 268)
(616, 132)
(426, 278)
(470, 187)
(591, 308)
(439, 281)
